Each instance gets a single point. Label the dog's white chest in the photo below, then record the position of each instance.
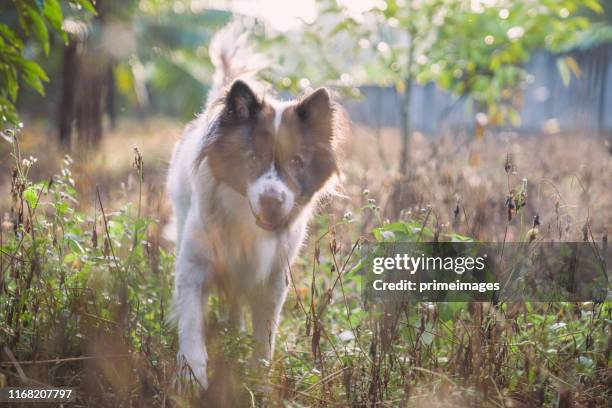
(266, 257)
(252, 265)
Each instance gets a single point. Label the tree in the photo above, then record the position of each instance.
(88, 83)
(22, 21)
(166, 68)
(476, 50)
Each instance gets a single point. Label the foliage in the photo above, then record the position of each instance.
(35, 19)
(73, 283)
(159, 55)
(172, 58)
(475, 50)
(599, 34)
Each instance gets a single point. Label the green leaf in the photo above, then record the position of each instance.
(573, 66)
(514, 117)
(10, 35)
(9, 78)
(594, 5)
(8, 114)
(344, 25)
(564, 71)
(53, 13)
(87, 5)
(427, 337)
(454, 237)
(33, 74)
(38, 27)
(61, 208)
(449, 310)
(31, 197)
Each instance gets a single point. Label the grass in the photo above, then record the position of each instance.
(86, 278)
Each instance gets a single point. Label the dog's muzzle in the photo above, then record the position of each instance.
(270, 216)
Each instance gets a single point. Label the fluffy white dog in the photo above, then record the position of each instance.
(244, 181)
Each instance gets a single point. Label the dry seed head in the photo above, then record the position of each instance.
(94, 237)
(138, 163)
(510, 206)
(522, 199)
(508, 164)
(456, 209)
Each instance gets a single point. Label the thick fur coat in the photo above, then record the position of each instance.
(244, 181)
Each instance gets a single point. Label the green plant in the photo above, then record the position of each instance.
(97, 282)
(31, 20)
(474, 50)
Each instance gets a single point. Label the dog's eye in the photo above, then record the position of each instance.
(297, 163)
(252, 157)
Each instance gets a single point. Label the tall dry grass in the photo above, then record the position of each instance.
(86, 280)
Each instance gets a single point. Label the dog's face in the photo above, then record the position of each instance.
(276, 155)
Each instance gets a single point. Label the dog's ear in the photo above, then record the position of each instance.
(317, 106)
(316, 111)
(241, 102)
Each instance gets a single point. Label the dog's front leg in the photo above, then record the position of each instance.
(190, 298)
(266, 307)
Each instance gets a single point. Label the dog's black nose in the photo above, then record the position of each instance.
(271, 204)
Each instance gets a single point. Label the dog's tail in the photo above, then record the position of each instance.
(232, 57)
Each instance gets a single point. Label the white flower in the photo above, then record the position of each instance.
(383, 47)
(515, 33)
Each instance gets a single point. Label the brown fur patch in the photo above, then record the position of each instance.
(246, 143)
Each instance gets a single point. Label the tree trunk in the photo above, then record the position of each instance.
(68, 95)
(87, 80)
(89, 110)
(111, 96)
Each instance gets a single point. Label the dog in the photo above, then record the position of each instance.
(244, 181)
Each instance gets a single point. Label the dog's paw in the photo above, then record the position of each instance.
(192, 369)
